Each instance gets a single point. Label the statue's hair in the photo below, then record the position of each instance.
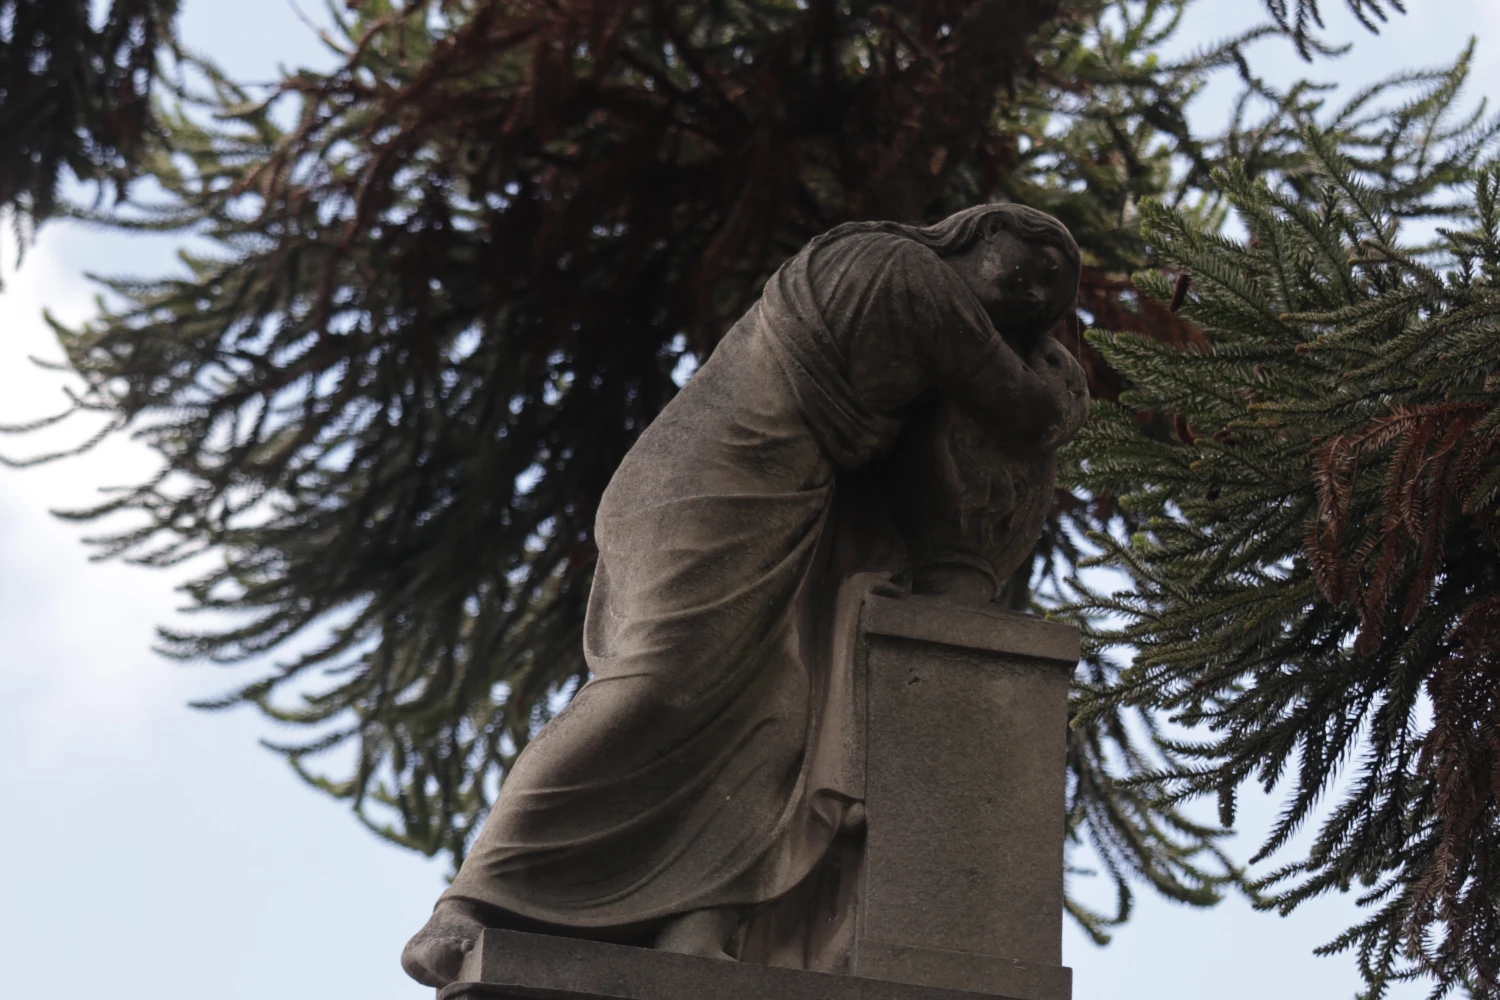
(961, 230)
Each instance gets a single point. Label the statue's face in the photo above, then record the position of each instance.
(1025, 287)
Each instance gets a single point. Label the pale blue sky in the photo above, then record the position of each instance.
(157, 852)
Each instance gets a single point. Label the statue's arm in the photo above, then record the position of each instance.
(1037, 406)
(1032, 403)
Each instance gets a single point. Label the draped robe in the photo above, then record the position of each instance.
(708, 761)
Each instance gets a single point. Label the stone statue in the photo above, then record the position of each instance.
(886, 413)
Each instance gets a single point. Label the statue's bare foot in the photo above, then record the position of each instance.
(702, 932)
(435, 954)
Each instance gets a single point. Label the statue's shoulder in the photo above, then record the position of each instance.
(870, 253)
(857, 235)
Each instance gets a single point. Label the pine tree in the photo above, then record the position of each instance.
(441, 303)
(1302, 20)
(1316, 555)
(75, 98)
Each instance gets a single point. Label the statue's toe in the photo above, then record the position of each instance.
(435, 961)
(435, 955)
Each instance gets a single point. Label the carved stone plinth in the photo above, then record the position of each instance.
(965, 752)
(508, 965)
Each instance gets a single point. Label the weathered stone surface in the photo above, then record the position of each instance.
(960, 894)
(508, 964)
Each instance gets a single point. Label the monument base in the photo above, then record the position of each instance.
(507, 965)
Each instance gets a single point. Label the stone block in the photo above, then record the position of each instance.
(965, 752)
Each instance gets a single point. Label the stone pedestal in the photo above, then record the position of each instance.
(507, 965)
(960, 733)
(965, 752)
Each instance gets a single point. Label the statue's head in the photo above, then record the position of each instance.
(1021, 264)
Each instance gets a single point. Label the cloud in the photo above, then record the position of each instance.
(76, 671)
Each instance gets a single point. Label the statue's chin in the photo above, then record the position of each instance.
(961, 580)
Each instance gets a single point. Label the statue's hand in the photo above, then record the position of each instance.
(1065, 380)
(888, 587)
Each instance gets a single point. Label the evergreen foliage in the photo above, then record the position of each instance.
(422, 322)
(1305, 17)
(75, 97)
(1316, 554)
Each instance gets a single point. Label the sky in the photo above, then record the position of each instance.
(160, 850)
